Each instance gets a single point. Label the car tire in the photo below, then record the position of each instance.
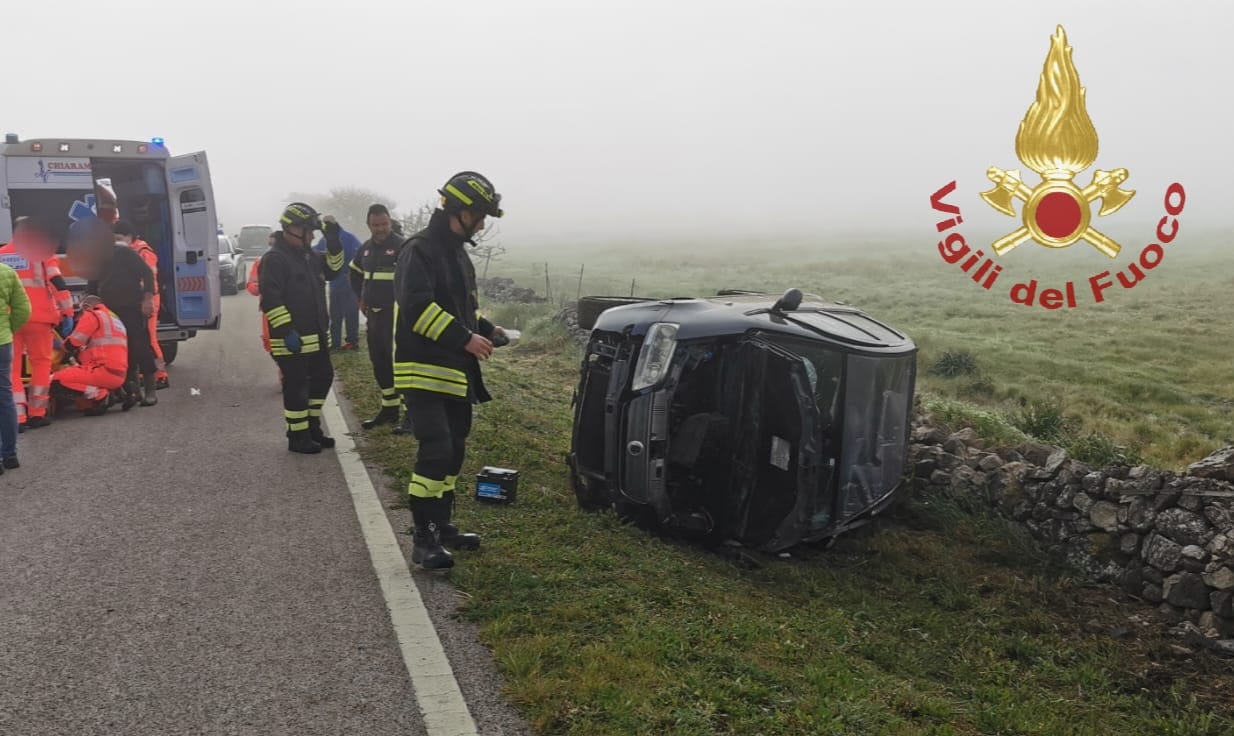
(591, 307)
(169, 351)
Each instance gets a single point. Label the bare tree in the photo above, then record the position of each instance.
(416, 220)
(488, 248)
(349, 205)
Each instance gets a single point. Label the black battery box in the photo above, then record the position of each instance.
(496, 485)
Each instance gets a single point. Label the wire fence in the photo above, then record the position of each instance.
(563, 285)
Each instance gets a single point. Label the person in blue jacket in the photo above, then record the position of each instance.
(344, 306)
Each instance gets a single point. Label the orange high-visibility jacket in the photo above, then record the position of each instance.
(151, 259)
(48, 304)
(102, 339)
(251, 285)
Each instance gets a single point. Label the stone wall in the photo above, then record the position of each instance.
(568, 316)
(506, 291)
(1164, 537)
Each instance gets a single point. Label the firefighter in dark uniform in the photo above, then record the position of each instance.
(292, 281)
(372, 278)
(439, 340)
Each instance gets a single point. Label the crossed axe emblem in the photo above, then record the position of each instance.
(1008, 185)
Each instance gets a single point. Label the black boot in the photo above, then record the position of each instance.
(405, 428)
(450, 535)
(387, 415)
(300, 441)
(150, 386)
(128, 395)
(426, 516)
(318, 436)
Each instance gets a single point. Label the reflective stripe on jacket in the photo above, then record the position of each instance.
(372, 272)
(292, 283)
(48, 303)
(102, 339)
(435, 315)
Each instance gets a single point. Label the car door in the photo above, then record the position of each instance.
(197, 288)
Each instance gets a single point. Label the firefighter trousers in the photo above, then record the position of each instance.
(379, 333)
(441, 426)
(35, 339)
(306, 382)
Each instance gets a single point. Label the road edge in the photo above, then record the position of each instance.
(437, 691)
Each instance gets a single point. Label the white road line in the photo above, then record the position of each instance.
(437, 692)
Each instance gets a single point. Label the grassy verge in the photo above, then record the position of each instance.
(935, 622)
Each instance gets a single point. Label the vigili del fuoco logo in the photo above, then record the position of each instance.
(1058, 142)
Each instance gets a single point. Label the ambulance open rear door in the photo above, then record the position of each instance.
(197, 290)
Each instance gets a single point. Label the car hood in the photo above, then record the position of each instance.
(711, 317)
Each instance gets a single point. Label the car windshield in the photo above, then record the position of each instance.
(224, 246)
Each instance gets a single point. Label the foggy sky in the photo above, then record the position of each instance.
(631, 120)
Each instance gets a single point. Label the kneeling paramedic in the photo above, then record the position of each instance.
(99, 348)
(440, 339)
(292, 282)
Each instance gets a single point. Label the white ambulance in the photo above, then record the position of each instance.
(168, 199)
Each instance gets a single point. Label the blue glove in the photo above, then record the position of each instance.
(293, 342)
(66, 327)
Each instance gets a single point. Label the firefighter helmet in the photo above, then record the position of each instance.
(301, 215)
(471, 191)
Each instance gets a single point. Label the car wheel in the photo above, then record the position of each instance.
(591, 307)
(169, 351)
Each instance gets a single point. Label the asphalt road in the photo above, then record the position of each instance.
(174, 570)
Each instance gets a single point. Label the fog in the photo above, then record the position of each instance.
(610, 121)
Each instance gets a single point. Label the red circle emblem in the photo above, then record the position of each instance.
(1059, 215)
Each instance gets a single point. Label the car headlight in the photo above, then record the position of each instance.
(655, 356)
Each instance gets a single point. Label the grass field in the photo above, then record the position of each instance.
(933, 622)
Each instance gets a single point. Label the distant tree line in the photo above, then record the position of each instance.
(349, 205)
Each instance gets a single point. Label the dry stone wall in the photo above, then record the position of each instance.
(504, 290)
(1165, 537)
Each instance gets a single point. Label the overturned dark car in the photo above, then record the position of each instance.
(743, 418)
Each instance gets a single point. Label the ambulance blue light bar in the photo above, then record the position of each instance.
(157, 141)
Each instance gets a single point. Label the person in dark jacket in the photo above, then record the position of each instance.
(372, 279)
(439, 340)
(292, 282)
(123, 281)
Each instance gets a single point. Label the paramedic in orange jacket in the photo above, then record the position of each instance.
(51, 307)
(100, 346)
(126, 233)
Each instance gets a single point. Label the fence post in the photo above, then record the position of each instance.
(632, 288)
(580, 281)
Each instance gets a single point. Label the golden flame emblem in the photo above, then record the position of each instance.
(1058, 141)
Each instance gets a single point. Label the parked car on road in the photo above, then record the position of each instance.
(252, 240)
(231, 266)
(742, 417)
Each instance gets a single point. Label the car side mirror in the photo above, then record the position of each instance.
(789, 302)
